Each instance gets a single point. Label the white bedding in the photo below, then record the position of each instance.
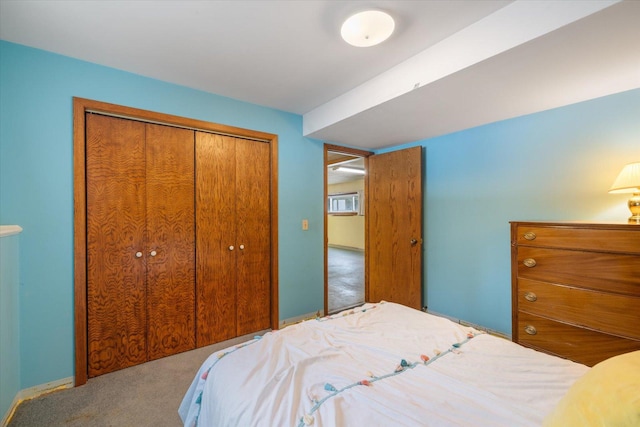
(366, 367)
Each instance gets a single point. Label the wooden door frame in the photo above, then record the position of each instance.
(352, 152)
(80, 107)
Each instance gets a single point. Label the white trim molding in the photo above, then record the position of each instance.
(9, 230)
(33, 392)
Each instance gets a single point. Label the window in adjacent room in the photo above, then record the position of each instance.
(344, 204)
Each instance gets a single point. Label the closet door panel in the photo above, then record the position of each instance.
(170, 250)
(253, 180)
(115, 183)
(215, 238)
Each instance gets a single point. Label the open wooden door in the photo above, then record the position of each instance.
(394, 237)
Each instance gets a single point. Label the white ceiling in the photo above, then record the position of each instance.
(335, 176)
(450, 65)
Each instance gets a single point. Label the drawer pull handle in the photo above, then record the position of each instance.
(530, 235)
(529, 262)
(531, 330)
(530, 296)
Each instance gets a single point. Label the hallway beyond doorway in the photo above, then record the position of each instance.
(346, 278)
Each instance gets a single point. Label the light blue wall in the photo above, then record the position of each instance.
(553, 165)
(36, 188)
(9, 322)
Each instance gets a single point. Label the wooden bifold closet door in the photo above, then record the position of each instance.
(175, 234)
(233, 217)
(140, 242)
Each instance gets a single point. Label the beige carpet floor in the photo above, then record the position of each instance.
(149, 394)
(143, 395)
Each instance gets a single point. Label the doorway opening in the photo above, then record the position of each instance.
(345, 228)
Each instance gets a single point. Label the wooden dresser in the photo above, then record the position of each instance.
(576, 288)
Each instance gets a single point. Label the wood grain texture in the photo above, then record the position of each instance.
(79, 244)
(582, 300)
(116, 295)
(171, 120)
(593, 270)
(170, 214)
(253, 216)
(82, 106)
(216, 274)
(616, 314)
(596, 237)
(581, 345)
(395, 219)
(273, 167)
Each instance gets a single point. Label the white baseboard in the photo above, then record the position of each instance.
(473, 325)
(292, 320)
(33, 392)
(349, 248)
(10, 412)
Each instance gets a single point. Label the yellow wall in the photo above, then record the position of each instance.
(346, 230)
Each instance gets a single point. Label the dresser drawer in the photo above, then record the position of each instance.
(605, 312)
(578, 344)
(617, 273)
(596, 239)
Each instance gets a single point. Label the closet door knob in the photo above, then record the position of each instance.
(138, 254)
(231, 248)
(241, 247)
(529, 262)
(153, 253)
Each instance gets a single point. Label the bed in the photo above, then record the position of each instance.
(378, 365)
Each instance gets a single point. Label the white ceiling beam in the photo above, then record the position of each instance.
(511, 26)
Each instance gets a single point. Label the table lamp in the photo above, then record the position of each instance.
(628, 181)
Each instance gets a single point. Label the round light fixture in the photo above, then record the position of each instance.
(367, 28)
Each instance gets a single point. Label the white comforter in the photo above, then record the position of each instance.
(379, 365)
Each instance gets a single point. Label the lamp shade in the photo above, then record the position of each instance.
(628, 181)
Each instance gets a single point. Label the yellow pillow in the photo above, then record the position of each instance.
(607, 395)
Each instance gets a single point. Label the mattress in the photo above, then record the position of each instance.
(378, 365)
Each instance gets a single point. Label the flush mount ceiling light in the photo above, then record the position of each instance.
(367, 28)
